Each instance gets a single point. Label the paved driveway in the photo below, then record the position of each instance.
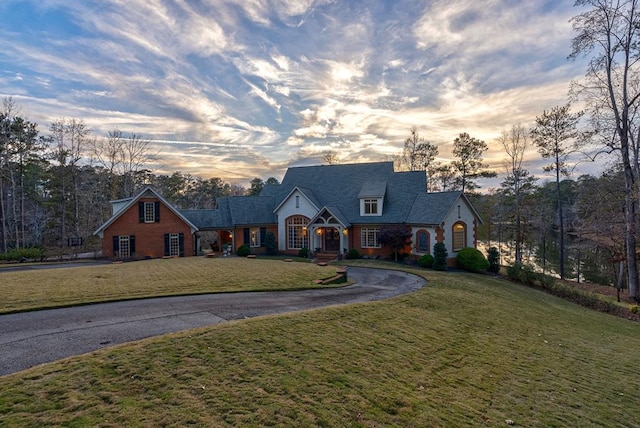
(31, 338)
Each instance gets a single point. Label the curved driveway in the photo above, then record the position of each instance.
(31, 338)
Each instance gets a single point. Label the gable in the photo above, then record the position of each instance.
(132, 213)
(344, 186)
(435, 208)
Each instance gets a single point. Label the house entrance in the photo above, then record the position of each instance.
(331, 239)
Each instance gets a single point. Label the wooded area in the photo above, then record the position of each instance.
(55, 188)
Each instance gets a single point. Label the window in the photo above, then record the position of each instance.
(149, 212)
(459, 236)
(174, 244)
(369, 238)
(124, 246)
(423, 241)
(255, 237)
(297, 232)
(125, 250)
(297, 201)
(370, 207)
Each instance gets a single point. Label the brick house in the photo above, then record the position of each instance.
(328, 209)
(146, 226)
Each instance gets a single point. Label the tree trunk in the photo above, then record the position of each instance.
(560, 220)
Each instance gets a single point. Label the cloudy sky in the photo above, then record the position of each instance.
(246, 88)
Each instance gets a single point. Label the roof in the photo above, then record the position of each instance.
(148, 191)
(337, 189)
(343, 186)
(432, 208)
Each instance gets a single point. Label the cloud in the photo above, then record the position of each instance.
(247, 87)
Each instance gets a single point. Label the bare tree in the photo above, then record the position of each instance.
(331, 157)
(124, 158)
(608, 31)
(69, 139)
(517, 182)
(418, 154)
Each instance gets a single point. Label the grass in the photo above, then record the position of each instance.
(469, 350)
(49, 288)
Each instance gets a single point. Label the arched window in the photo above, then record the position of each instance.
(459, 235)
(423, 241)
(297, 232)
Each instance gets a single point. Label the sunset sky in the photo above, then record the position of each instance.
(242, 89)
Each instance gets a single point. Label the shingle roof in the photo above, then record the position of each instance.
(341, 186)
(339, 189)
(431, 208)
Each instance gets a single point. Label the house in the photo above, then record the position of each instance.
(328, 209)
(146, 226)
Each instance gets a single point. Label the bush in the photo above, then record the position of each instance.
(493, 257)
(270, 245)
(17, 254)
(526, 275)
(440, 256)
(352, 254)
(243, 250)
(426, 261)
(472, 260)
(303, 252)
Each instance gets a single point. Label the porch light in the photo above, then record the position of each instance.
(345, 231)
(319, 231)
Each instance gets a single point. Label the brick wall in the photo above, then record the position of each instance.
(149, 237)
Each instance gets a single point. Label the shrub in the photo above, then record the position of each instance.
(426, 261)
(493, 257)
(270, 245)
(472, 260)
(440, 256)
(353, 254)
(243, 250)
(17, 254)
(303, 252)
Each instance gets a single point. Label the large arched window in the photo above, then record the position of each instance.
(423, 241)
(297, 232)
(459, 235)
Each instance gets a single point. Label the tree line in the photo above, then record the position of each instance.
(607, 34)
(56, 188)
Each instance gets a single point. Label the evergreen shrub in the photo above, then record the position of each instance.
(426, 261)
(493, 257)
(270, 245)
(353, 254)
(440, 256)
(243, 250)
(472, 260)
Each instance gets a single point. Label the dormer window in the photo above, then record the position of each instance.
(371, 207)
(371, 196)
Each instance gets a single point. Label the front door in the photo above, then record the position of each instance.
(331, 239)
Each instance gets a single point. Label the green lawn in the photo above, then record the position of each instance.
(468, 350)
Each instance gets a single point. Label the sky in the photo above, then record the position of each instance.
(246, 88)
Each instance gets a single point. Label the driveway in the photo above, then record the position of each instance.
(31, 338)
